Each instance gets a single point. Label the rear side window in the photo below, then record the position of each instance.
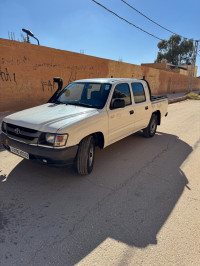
(138, 92)
(122, 91)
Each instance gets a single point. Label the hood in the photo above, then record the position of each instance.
(50, 117)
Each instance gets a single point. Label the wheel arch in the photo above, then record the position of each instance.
(98, 138)
(158, 114)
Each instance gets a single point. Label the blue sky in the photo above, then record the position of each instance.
(82, 25)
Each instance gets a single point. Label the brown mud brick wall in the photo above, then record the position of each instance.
(27, 72)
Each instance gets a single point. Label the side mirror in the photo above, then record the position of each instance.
(118, 103)
(60, 85)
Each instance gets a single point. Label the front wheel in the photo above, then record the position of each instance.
(85, 156)
(150, 130)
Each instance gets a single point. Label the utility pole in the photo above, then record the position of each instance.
(192, 70)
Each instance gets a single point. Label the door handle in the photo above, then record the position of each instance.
(146, 107)
(131, 112)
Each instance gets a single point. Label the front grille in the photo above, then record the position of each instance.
(25, 129)
(23, 134)
(19, 135)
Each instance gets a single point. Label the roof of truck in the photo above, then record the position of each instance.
(105, 80)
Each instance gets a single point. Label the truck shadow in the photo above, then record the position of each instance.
(128, 197)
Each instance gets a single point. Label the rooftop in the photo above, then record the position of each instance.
(105, 80)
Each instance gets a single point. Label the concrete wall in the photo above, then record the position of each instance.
(195, 70)
(27, 71)
(164, 66)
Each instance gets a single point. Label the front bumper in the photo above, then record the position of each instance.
(44, 155)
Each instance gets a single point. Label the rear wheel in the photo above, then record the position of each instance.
(151, 129)
(85, 156)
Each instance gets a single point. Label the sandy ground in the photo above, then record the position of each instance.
(140, 205)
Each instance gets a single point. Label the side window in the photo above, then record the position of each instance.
(138, 92)
(122, 91)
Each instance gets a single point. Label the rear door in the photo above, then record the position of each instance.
(142, 105)
(121, 119)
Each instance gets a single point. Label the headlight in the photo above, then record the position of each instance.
(3, 126)
(50, 138)
(56, 140)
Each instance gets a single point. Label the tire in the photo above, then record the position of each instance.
(85, 156)
(150, 131)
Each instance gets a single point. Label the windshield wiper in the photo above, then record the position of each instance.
(58, 102)
(82, 104)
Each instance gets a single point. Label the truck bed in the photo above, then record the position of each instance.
(158, 97)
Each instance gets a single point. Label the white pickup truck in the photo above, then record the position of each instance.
(85, 114)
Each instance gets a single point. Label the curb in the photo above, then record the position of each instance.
(179, 99)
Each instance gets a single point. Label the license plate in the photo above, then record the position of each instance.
(19, 152)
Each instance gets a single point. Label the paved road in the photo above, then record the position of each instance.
(140, 206)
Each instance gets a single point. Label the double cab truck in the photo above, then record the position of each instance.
(85, 114)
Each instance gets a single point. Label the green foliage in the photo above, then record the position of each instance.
(175, 50)
(193, 96)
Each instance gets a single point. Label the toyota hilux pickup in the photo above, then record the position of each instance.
(85, 114)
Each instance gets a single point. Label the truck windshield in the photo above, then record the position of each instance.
(85, 94)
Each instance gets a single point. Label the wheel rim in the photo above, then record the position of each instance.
(91, 155)
(153, 126)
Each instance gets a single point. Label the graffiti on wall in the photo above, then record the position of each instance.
(47, 85)
(72, 77)
(81, 70)
(77, 68)
(44, 65)
(14, 61)
(74, 72)
(6, 76)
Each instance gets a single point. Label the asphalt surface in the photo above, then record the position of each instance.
(140, 205)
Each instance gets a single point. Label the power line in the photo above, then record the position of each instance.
(151, 19)
(127, 21)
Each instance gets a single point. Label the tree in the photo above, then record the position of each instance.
(176, 50)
